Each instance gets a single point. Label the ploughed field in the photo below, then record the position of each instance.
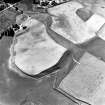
(34, 50)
